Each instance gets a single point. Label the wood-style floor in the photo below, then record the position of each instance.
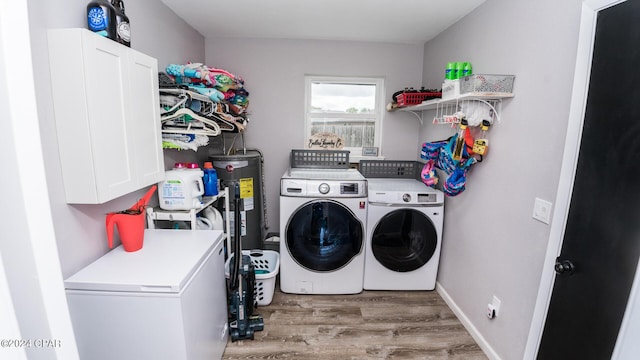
(369, 325)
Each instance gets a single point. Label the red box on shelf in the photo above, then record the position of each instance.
(416, 98)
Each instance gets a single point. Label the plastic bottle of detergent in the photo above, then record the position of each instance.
(210, 180)
(182, 188)
(194, 168)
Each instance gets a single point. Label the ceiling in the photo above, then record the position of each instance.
(391, 21)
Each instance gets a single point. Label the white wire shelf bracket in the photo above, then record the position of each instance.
(451, 113)
(448, 111)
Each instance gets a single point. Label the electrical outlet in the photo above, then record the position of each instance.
(493, 307)
(496, 304)
(491, 312)
(542, 211)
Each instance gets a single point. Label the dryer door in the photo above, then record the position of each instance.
(324, 235)
(404, 240)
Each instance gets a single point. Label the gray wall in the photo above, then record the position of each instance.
(491, 245)
(274, 72)
(156, 31)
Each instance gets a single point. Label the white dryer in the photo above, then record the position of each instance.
(404, 234)
(322, 231)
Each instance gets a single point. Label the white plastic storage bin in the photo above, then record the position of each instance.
(450, 89)
(266, 264)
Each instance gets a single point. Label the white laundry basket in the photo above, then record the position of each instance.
(263, 261)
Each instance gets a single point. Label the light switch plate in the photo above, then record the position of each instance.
(542, 210)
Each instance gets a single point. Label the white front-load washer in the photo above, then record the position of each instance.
(323, 215)
(404, 234)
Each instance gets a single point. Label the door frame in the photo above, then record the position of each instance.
(33, 295)
(581, 77)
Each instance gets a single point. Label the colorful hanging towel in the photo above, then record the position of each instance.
(455, 183)
(440, 155)
(429, 175)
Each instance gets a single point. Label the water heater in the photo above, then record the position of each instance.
(246, 169)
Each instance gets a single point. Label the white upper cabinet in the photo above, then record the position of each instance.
(107, 113)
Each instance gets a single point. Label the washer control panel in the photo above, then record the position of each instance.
(323, 188)
(349, 188)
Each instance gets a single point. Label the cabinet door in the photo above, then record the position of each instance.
(107, 112)
(145, 119)
(108, 96)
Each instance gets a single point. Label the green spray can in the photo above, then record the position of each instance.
(466, 69)
(449, 71)
(459, 70)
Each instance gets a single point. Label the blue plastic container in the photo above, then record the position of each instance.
(210, 180)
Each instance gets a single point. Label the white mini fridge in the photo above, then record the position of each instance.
(165, 301)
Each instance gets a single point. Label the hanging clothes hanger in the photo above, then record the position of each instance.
(224, 124)
(180, 101)
(209, 111)
(190, 130)
(213, 127)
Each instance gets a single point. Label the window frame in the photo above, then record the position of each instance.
(378, 82)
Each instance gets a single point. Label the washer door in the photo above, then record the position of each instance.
(324, 235)
(404, 240)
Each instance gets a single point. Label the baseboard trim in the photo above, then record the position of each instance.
(475, 334)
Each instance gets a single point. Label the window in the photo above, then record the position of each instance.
(352, 108)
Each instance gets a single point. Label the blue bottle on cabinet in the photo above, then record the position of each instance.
(101, 18)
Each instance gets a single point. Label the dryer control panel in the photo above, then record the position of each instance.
(427, 198)
(406, 198)
(403, 192)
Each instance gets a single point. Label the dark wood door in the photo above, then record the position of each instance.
(601, 243)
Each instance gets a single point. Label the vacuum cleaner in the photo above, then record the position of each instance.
(242, 321)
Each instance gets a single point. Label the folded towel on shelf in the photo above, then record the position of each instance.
(184, 141)
(202, 100)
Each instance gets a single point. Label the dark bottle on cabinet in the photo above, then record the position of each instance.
(123, 28)
(101, 18)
